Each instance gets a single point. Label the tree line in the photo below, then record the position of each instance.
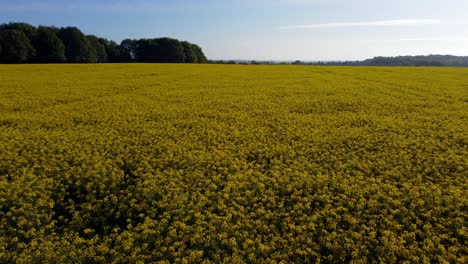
(24, 43)
(421, 60)
(411, 61)
(429, 60)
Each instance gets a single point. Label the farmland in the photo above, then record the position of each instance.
(132, 163)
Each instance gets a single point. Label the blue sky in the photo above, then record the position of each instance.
(267, 29)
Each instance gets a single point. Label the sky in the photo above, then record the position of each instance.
(306, 30)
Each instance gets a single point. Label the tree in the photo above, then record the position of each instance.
(171, 50)
(16, 47)
(112, 50)
(200, 55)
(29, 30)
(77, 46)
(22, 42)
(49, 47)
(165, 50)
(189, 53)
(99, 49)
(127, 50)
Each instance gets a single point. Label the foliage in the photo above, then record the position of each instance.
(112, 50)
(199, 54)
(70, 45)
(189, 54)
(430, 60)
(77, 46)
(127, 50)
(49, 47)
(98, 48)
(28, 30)
(16, 47)
(159, 50)
(145, 163)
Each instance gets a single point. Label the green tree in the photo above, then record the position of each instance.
(164, 50)
(49, 47)
(146, 50)
(127, 50)
(29, 30)
(70, 44)
(16, 47)
(190, 55)
(112, 50)
(201, 58)
(99, 49)
(171, 50)
(77, 47)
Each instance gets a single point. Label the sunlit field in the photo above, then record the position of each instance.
(223, 163)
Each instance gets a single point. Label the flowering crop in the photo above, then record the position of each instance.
(129, 163)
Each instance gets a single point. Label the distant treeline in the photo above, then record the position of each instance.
(24, 43)
(429, 60)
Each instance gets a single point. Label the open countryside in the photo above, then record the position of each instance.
(140, 163)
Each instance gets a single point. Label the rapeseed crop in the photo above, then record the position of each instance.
(140, 163)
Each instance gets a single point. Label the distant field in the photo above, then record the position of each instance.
(190, 163)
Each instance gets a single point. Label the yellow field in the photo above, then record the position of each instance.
(190, 163)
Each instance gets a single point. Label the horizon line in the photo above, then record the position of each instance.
(378, 23)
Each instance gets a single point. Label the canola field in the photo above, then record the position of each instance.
(153, 163)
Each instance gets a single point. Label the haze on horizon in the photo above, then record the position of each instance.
(267, 29)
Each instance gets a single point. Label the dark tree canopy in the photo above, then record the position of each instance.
(99, 51)
(200, 55)
(29, 30)
(77, 46)
(22, 43)
(159, 50)
(167, 50)
(112, 50)
(190, 55)
(49, 47)
(16, 47)
(170, 50)
(127, 50)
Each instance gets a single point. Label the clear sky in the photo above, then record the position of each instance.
(267, 29)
